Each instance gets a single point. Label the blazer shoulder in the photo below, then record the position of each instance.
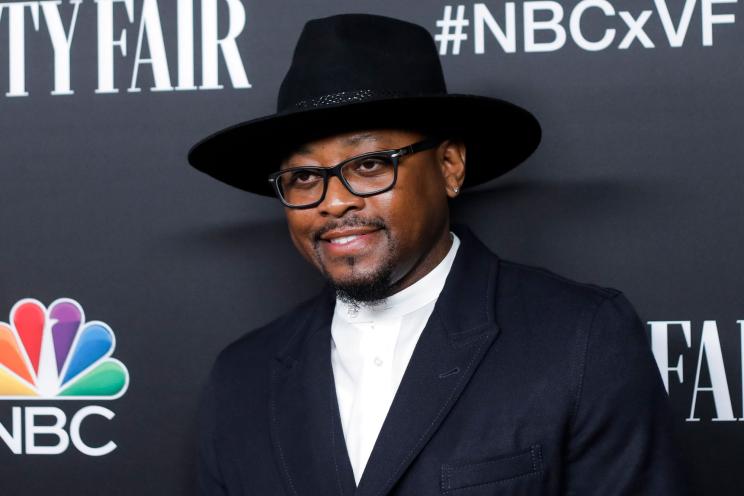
(263, 343)
(547, 300)
(538, 283)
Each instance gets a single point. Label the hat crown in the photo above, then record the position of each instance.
(360, 57)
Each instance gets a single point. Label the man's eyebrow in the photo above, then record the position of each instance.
(358, 138)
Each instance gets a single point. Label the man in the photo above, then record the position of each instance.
(427, 365)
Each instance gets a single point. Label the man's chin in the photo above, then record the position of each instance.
(363, 289)
(361, 295)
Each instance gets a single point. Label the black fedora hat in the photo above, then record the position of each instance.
(355, 71)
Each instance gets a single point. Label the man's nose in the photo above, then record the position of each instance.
(339, 200)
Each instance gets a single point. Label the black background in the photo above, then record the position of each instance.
(637, 185)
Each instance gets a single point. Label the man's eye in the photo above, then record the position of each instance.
(371, 165)
(303, 177)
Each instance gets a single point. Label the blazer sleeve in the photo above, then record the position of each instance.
(208, 467)
(621, 440)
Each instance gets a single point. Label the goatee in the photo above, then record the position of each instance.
(366, 291)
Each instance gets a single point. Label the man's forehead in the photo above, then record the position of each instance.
(345, 140)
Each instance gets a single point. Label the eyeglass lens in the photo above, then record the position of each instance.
(365, 175)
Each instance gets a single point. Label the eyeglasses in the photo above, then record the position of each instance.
(364, 175)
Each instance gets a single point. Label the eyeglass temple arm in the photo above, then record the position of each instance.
(417, 147)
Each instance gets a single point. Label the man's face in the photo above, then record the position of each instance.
(372, 247)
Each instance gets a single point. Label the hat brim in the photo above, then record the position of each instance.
(498, 135)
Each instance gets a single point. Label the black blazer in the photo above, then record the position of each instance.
(522, 383)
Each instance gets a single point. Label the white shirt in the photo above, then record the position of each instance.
(370, 349)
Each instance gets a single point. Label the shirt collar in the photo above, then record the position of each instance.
(408, 300)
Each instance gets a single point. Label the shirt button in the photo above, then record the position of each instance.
(378, 361)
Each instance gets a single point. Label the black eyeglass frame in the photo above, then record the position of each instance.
(327, 172)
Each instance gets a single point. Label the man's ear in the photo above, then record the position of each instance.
(452, 162)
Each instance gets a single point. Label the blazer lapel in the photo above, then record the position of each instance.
(460, 330)
(305, 423)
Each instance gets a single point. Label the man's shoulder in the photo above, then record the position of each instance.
(559, 308)
(267, 341)
(538, 285)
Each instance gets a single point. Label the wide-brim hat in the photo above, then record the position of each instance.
(361, 71)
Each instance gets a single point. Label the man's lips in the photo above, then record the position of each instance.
(349, 241)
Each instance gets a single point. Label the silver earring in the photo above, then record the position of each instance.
(455, 190)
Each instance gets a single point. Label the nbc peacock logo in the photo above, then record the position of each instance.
(52, 353)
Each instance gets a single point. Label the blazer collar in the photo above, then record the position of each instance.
(305, 421)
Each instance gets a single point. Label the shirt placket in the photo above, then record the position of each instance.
(375, 389)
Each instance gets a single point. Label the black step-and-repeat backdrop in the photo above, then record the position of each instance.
(131, 270)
